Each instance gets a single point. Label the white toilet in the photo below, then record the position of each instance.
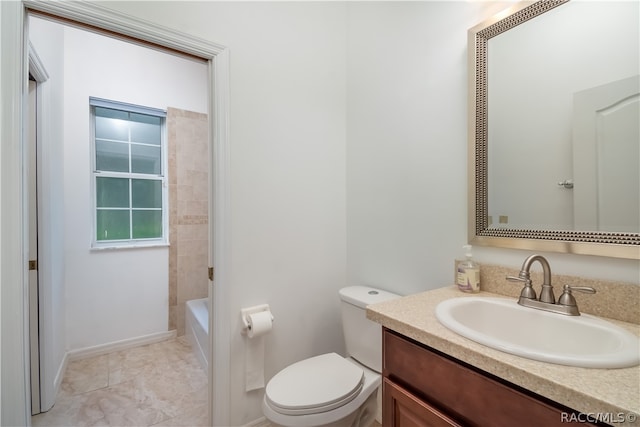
(330, 390)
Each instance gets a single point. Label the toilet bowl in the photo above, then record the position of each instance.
(330, 390)
(326, 390)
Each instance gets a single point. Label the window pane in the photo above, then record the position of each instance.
(112, 224)
(146, 193)
(129, 161)
(145, 129)
(113, 126)
(111, 113)
(112, 156)
(147, 224)
(112, 192)
(145, 159)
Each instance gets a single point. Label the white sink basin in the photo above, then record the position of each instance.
(584, 340)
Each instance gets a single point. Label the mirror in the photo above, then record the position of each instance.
(549, 83)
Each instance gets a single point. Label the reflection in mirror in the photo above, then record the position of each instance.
(554, 128)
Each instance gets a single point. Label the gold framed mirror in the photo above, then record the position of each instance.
(497, 216)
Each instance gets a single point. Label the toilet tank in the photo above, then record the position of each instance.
(363, 337)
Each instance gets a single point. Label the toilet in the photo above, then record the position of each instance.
(330, 390)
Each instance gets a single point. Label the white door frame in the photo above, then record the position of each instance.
(14, 366)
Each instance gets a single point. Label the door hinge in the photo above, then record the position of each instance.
(33, 264)
(211, 273)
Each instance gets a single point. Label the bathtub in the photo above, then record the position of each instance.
(197, 328)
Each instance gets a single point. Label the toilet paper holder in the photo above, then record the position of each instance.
(246, 312)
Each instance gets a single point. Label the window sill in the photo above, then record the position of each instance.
(116, 247)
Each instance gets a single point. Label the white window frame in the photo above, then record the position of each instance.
(131, 242)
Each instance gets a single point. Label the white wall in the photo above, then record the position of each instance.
(113, 295)
(348, 139)
(288, 172)
(406, 141)
(287, 67)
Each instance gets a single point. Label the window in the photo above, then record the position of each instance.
(128, 174)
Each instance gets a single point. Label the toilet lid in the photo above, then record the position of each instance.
(314, 385)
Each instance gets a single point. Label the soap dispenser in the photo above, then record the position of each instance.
(468, 277)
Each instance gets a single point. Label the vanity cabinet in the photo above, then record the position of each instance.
(422, 387)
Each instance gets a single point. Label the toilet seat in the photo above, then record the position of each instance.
(314, 385)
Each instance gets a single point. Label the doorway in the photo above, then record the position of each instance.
(14, 223)
(114, 298)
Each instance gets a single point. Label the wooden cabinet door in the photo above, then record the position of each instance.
(403, 409)
(468, 394)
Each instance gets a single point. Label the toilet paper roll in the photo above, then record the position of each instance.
(259, 324)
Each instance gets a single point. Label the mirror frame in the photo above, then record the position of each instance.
(609, 244)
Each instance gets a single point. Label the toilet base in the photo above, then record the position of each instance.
(363, 417)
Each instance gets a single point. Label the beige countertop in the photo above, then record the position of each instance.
(590, 391)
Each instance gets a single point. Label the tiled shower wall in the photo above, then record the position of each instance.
(188, 158)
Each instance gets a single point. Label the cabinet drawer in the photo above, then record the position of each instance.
(465, 394)
(402, 409)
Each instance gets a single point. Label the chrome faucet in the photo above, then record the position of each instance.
(547, 301)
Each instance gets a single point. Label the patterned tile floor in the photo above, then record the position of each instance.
(159, 384)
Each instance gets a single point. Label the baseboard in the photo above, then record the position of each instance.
(48, 396)
(260, 422)
(98, 350)
(60, 374)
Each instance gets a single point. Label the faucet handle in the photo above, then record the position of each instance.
(527, 291)
(516, 279)
(568, 299)
(583, 289)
